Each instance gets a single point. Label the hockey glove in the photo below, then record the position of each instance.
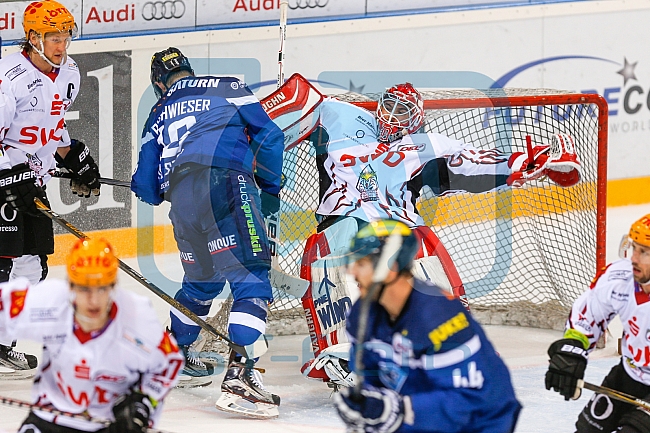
(270, 204)
(528, 166)
(19, 188)
(378, 410)
(131, 413)
(635, 421)
(567, 364)
(79, 161)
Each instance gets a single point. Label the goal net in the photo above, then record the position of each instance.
(523, 254)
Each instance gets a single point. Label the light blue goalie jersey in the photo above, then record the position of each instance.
(369, 179)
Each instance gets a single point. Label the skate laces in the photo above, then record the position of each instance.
(17, 355)
(256, 377)
(191, 358)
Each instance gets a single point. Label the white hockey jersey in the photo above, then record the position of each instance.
(32, 106)
(613, 292)
(369, 179)
(80, 372)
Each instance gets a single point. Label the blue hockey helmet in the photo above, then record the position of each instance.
(166, 62)
(371, 239)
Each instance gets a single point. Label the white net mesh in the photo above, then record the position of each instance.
(523, 254)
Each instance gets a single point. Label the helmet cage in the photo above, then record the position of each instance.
(400, 111)
(164, 63)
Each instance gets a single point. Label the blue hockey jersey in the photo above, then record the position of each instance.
(438, 355)
(212, 122)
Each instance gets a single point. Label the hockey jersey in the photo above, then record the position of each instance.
(438, 355)
(32, 106)
(369, 180)
(87, 373)
(613, 292)
(211, 122)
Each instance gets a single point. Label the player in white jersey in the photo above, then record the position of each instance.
(105, 353)
(37, 87)
(621, 288)
(373, 166)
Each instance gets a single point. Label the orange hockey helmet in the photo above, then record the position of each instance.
(640, 231)
(48, 16)
(91, 262)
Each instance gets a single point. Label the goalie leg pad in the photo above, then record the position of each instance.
(433, 263)
(331, 291)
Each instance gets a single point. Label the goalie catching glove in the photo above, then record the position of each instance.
(132, 413)
(557, 160)
(79, 162)
(19, 189)
(376, 410)
(567, 364)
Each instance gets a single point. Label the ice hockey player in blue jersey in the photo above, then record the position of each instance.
(427, 365)
(206, 147)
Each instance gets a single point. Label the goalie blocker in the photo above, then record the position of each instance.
(332, 292)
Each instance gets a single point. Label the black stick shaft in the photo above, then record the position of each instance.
(145, 282)
(102, 180)
(26, 405)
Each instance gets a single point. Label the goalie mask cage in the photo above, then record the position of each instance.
(524, 254)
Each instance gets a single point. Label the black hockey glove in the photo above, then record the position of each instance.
(79, 162)
(567, 364)
(131, 414)
(19, 189)
(270, 204)
(377, 410)
(635, 421)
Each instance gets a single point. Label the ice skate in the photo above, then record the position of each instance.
(196, 372)
(242, 392)
(16, 365)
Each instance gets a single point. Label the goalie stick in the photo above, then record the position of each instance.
(26, 405)
(251, 351)
(617, 395)
(385, 262)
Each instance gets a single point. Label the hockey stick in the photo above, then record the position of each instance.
(103, 180)
(283, 36)
(281, 280)
(251, 351)
(617, 395)
(384, 264)
(26, 405)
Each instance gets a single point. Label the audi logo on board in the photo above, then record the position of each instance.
(307, 4)
(164, 10)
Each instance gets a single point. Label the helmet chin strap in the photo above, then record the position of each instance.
(41, 53)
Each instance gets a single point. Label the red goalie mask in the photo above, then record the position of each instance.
(400, 111)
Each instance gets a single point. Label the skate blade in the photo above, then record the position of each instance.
(11, 374)
(233, 403)
(193, 382)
